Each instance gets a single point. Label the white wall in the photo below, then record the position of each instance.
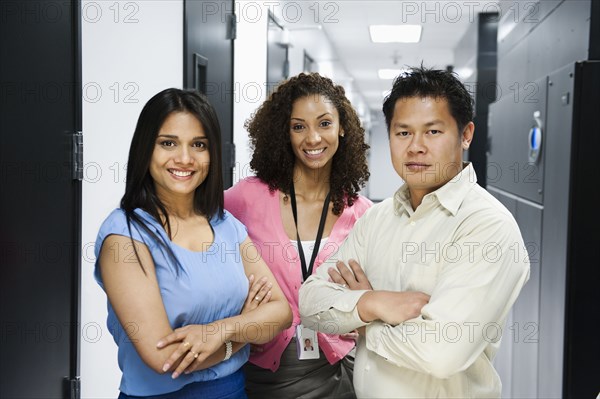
(131, 51)
(249, 76)
(295, 56)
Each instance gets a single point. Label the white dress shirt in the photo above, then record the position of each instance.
(462, 247)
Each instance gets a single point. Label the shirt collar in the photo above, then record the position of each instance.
(402, 201)
(450, 195)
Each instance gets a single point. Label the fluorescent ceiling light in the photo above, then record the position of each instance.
(395, 33)
(387, 74)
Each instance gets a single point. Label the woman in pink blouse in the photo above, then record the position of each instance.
(310, 162)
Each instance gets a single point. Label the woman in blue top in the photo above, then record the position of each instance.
(175, 266)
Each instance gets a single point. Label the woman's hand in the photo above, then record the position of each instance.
(259, 293)
(198, 343)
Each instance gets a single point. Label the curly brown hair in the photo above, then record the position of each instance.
(273, 158)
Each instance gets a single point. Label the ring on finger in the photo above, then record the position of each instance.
(186, 344)
(257, 298)
(194, 353)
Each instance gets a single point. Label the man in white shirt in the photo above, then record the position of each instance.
(432, 272)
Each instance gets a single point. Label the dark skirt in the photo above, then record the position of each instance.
(305, 379)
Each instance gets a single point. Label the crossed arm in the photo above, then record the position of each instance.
(391, 307)
(447, 331)
(340, 297)
(135, 297)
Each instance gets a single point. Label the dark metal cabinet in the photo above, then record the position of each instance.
(511, 120)
(518, 357)
(40, 199)
(555, 352)
(209, 31)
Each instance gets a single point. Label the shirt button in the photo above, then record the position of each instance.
(413, 223)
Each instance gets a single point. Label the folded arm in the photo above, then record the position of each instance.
(468, 306)
(446, 332)
(135, 297)
(327, 306)
(255, 325)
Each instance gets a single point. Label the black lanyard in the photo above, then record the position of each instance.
(306, 272)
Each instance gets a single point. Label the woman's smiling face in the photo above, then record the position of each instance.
(314, 131)
(181, 158)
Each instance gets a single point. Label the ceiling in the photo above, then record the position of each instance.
(345, 25)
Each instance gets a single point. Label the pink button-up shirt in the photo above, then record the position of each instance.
(251, 202)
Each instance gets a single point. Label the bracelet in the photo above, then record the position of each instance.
(228, 350)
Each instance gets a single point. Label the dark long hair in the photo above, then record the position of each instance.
(273, 158)
(139, 187)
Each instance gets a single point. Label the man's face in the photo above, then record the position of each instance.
(425, 144)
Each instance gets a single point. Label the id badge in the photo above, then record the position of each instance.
(307, 344)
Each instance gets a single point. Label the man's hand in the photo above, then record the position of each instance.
(352, 277)
(390, 306)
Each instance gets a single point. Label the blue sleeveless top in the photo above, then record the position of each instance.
(205, 287)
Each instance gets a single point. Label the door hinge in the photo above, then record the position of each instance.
(77, 160)
(231, 26)
(72, 388)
